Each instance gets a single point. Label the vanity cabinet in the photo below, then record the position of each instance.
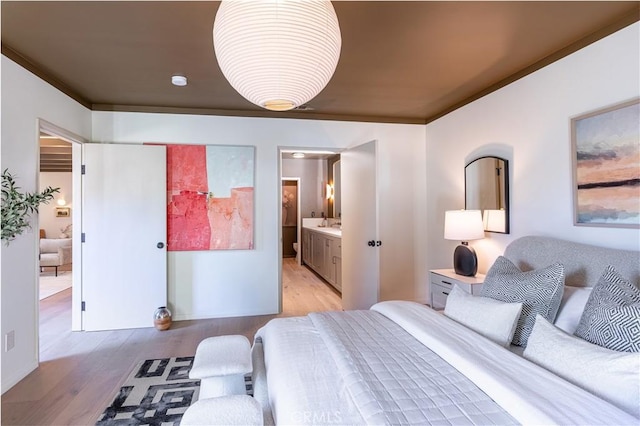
(322, 253)
(336, 257)
(306, 246)
(318, 256)
(326, 263)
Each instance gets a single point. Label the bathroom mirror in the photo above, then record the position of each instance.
(337, 207)
(486, 182)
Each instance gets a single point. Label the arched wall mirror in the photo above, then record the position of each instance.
(486, 182)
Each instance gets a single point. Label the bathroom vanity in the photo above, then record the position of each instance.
(322, 252)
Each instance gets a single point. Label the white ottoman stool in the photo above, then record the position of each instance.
(221, 363)
(232, 410)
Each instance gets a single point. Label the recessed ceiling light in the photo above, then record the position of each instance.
(298, 155)
(179, 80)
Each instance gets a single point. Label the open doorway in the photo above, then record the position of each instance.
(55, 220)
(305, 203)
(59, 255)
(55, 279)
(290, 220)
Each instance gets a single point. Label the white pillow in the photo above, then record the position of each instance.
(572, 305)
(611, 375)
(491, 318)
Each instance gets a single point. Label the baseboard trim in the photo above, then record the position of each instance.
(189, 317)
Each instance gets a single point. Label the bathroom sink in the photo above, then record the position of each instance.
(330, 231)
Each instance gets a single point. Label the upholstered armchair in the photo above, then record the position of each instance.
(55, 252)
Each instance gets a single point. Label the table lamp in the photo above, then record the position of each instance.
(464, 225)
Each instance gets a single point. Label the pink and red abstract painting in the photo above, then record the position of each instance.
(210, 197)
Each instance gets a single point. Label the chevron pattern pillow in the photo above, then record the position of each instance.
(539, 291)
(611, 318)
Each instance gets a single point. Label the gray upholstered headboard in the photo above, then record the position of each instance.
(583, 263)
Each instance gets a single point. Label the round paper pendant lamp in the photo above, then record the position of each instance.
(278, 54)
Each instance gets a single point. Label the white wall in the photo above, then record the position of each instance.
(311, 192)
(25, 98)
(236, 283)
(528, 123)
(48, 220)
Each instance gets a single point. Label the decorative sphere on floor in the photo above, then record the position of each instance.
(162, 318)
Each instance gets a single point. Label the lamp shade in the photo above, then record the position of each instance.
(463, 225)
(278, 54)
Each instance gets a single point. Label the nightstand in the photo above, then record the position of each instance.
(442, 281)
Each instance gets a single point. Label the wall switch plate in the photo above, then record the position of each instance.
(9, 340)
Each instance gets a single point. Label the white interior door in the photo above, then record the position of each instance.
(360, 260)
(124, 223)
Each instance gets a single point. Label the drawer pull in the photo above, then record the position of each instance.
(446, 282)
(445, 293)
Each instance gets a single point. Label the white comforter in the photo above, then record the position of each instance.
(368, 370)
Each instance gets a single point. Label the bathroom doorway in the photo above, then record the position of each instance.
(290, 219)
(304, 196)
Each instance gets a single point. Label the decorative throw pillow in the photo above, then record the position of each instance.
(611, 375)
(611, 317)
(574, 299)
(491, 318)
(539, 291)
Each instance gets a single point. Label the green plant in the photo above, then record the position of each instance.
(18, 206)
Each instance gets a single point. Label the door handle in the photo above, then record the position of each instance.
(371, 243)
(160, 245)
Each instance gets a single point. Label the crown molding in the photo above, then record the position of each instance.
(34, 68)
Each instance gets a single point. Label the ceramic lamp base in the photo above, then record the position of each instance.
(465, 261)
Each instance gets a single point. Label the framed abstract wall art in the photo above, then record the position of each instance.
(606, 166)
(210, 196)
(63, 212)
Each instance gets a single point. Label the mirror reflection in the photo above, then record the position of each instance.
(337, 208)
(487, 189)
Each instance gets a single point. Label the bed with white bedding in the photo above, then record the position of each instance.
(401, 362)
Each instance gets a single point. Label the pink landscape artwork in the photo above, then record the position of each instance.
(210, 197)
(606, 147)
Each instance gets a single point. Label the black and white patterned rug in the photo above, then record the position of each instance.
(157, 392)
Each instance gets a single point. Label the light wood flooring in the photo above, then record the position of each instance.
(80, 372)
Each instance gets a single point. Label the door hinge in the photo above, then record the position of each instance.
(82, 237)
(83, 169)
(83, 306)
